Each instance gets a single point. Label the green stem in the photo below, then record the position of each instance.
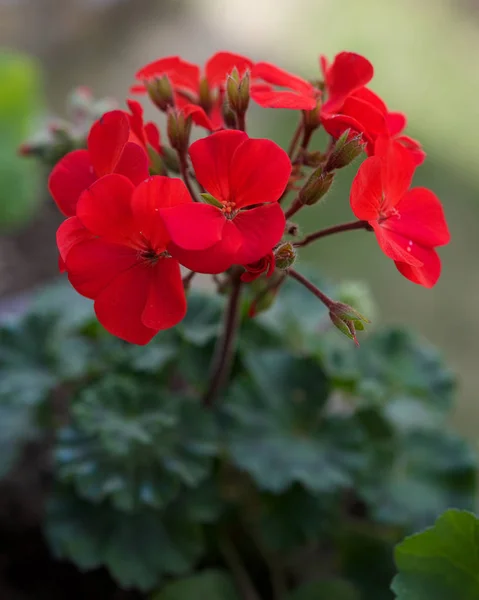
(326, 300)
(238, 570)
(330, 231)
(223, 354)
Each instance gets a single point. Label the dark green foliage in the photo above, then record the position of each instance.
(315, 461)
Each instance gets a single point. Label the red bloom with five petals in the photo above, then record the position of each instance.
(408, 223)
(200, 96)
(111, 149)
(246, 177)
(120, 260)
(365, 112)
(348, 72)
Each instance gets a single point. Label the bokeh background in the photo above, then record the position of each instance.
(425, 57)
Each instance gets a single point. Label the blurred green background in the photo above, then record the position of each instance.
(425, 58)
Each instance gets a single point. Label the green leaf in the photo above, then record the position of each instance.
(17, 428)
(135, 443)
(277, 431)
(430, 472)
(137, 548)
(329, 589)
(441, 562)
(210, 585)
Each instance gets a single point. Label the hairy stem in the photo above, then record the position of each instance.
(326, 300)
(293, 209)
(187, 279)
(295, 139)
(238, 570)
(186, 176)
(330, 231)
(224, 350)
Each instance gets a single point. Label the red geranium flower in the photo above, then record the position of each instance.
(365, 112)
(263, 265)
(408, 223)
(146, 134)
(110, 150)
(115, 253)
(348, 72)
(239, 173)
(197, 94)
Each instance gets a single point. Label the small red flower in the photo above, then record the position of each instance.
(348, 72)
(246, 177)
(146, 134)
(365, 112)
(115, 253)
(200, 96)
(110, 150)
(408, 223)
(263, 265)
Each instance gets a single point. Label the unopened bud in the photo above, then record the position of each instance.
(205, 99)
(237, 91)
(346, 149)
(316, 187)
(179, 129)
(347, 320)
(229, 116)
(285, 256)
(311, 118)
(157, 166)
(160, 92)
(170, 158)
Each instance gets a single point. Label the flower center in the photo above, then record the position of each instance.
(229, 209)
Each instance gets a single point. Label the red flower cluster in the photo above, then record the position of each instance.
(127, 232)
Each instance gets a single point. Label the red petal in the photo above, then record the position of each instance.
(212, 158)
(69, 178)
(396, 246)
(214, 260)
(166, 303)
(92, 264)
(133, 163)
(396, 122)
(106, 141)
(261, 228)
(221, 64)
(371, 119)
(180, 72)
(267, 97)
(366, 190)
(138, 89)
(371, 97)
(148, 198)
(105, 209)
(198, 116)
(153, 136)
(397, 169)
(259, 172)
(276, 76)
(348, 72)
(417, 153)
(70, 233)
(194, 226)
(120, 305)
(427, 274)
(421, 218)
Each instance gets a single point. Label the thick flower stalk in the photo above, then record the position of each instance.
(137, 209)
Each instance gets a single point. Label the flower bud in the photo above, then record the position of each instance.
(316, 187)
(205, 99)
(229, 116)
(285, 255)
(347, 320)
(160, 92)
(237, 91)
(170, 159)
(179, 129)
(346, 149)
